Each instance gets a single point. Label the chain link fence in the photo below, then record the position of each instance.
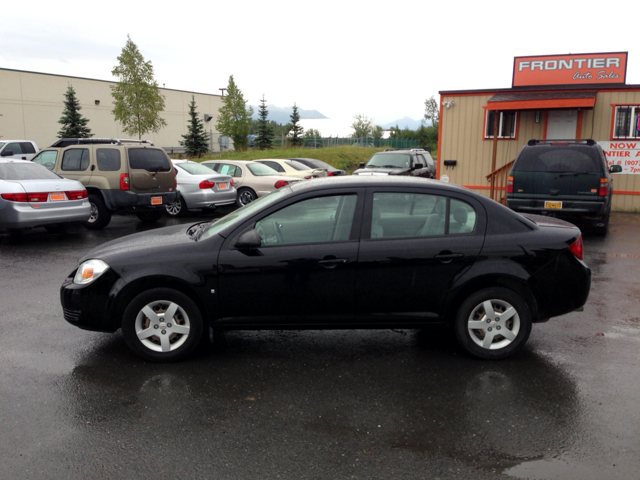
(318, 142)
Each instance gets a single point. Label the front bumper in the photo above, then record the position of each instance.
(27, 215)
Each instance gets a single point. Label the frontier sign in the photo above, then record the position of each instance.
(584, 69)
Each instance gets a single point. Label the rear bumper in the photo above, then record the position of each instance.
(207, 197)
(25, 215)
(120, 199)
(570, 208)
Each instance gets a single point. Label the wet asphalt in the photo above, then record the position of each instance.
(317, 405)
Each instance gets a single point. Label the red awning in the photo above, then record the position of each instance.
(542, 101)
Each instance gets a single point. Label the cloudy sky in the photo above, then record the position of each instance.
(343, 58)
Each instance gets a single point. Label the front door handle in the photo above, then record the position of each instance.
(446, 257)
(332, 262)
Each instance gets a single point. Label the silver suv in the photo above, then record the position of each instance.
(119, 175)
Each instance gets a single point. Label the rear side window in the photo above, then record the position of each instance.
(76, 159)
(557, 158)
(27, 147)
(108, 159)
(149, 159)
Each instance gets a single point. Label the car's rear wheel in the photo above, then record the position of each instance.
(100, 215)
(150, 216)
(177, 208)
(245, 195)
(493, 323)
(162, 325)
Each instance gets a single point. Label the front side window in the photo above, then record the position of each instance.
(506, 124)
(14, 147)
(402, 215)
(76, 159)
(226, 169)
(625, 124)
(46, 158)
(315, 220)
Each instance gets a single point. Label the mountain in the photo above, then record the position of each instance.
(282, 115)
(404, 122)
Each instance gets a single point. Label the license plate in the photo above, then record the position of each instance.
(222, 186)
(53, 197)
(156, 200)
(553, 205)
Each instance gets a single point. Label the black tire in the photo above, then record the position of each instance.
(150, 216)
(100, 215)
(57, 228)
(177, 208)
(160, 339)
(475, 341)
(245, 195)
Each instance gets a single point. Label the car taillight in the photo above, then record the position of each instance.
(510, 184)
(604, 187)
(207, 184)
(26, 197)
(281, 183)
(329, 174)
(15, 197)
(232, 184)
(308, 177)
(124, 181)
(76, 194)
(577, 248)
(175, 180)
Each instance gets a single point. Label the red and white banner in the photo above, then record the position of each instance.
(625, 153)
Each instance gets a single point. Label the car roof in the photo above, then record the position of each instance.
(378, 181)
(13, 160)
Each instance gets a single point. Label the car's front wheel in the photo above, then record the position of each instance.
(162, 325)
(493, 323)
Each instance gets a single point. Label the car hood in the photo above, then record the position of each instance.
(381, 171)
(150, 242)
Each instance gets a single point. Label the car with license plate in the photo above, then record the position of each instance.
(252, 179)
(388, 251)
(121, 176)
(200, 188)
(32, 196)
(568, 179)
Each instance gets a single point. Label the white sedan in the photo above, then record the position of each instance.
(32, 196)
(200, 188)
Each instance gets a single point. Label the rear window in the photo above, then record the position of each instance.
(389, 160)
(557, 158)
(259, 169)
(25, 171)
(301, 167)
(149, 159)
(194, 168)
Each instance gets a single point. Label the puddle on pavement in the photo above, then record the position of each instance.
(564, 469)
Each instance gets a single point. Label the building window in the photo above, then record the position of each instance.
(626, 122)
(506, 124)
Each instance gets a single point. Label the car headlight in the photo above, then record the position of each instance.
(89, 271)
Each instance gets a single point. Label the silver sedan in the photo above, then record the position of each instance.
(32, 196)
(200, 188)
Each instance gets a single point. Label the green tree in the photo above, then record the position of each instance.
(137, 101)
(312, 133)
(265, 130)
(296, 129)
(74, 125)
(377, 132)
(234, 118)
(362, 127)
(195, 141)
(431, 111)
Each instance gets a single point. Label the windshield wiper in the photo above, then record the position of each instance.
(577, 173)
(196, 230)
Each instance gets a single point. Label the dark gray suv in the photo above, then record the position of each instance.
(414, 163)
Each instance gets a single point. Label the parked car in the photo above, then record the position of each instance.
(313, 163)
(252, 179)
(414, 163)
(120, 176)
(389, 252)
(291, 168)
(18, 149)
(32, 196)
(199, 188)
(568, 179)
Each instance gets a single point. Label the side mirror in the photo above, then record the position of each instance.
(361, 164)
(418, 166)
(615, 169)
(6, 153)
(249, 239)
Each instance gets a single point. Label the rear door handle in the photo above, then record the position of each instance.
(332, 262)
(447, 257)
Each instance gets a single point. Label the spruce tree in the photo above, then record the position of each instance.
(265, 131)
(195, 141)
(296, 129)
(74, 125)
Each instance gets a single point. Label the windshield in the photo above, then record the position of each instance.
(25, 171)
(194, 168)
(244, 212)
(2, 144)
(297, 165)
(260, 169)
(389, 160)
(559, 158)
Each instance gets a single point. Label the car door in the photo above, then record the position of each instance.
(74, 164)
(415, 244)
(304, 272)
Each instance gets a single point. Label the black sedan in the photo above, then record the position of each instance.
(390, 252)
(314, 163)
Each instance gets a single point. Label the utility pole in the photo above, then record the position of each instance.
(222, 90)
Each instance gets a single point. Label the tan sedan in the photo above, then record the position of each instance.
(251, 179)
(294, 168)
